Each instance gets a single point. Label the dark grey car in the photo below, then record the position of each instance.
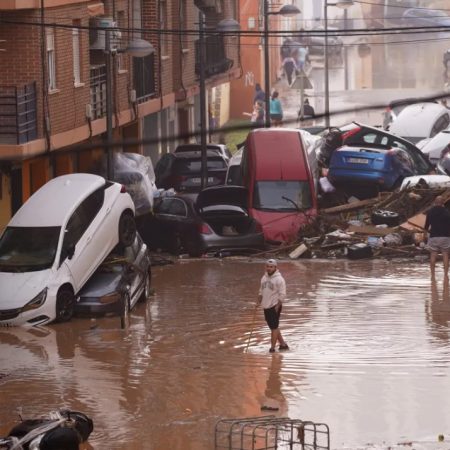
(217, 220)
(117, 285)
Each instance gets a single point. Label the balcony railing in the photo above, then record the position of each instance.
(18, 114)
(216, 60)
(97, 79)
(144, 78)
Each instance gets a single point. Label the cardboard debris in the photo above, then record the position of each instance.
(415, 223)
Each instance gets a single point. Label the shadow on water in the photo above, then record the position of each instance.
(369, 356)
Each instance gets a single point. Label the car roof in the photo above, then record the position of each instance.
(52, 204)
(197, 154)
(417, 119)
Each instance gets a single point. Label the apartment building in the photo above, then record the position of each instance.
(53, 86)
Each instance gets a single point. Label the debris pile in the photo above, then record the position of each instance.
(389, 225)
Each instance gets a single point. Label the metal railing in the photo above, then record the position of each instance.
(216, 60)
(144, 78)
(97, 81)
(18, 114)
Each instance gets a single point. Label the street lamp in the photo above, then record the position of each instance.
(224, 26)
(343, 4)
(137, 48)
(286, 11)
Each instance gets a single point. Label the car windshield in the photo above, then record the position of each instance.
(28, 249)
(282, 195)
(187, 166)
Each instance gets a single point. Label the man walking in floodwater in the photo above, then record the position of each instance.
(437, 224)
(271, 296)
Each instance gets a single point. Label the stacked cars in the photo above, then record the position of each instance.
(55, 242)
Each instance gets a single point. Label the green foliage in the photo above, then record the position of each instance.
(235, 131)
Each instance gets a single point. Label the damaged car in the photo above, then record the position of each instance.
(119, 283)
(55, 242)
(218, 219)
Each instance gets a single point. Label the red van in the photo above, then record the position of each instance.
(277, 172)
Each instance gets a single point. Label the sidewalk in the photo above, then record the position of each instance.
(363, 105)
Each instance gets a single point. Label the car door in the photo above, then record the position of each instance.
(79, 252)
(172, 215)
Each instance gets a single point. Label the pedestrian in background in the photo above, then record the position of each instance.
(272, 293)
(289, 68)
(259, 94)
(257, 116)
(307, 115)
(276, 110)
(437, 226)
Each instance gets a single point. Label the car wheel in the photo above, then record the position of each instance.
(147, 288)
(389, 218)
(127, 229)
(65, 302)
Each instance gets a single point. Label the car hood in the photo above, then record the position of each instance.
(223, 195)
(17, 289)
(101, 284)
(281, 226)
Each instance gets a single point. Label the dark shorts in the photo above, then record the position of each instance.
(277, 117)
(272, 317)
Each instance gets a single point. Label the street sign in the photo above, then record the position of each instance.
(301, 81)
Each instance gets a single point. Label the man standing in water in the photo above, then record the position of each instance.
(271, 295)
(437, 224)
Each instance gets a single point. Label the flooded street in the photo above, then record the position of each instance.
(370, 356)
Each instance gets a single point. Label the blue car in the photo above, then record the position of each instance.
(377, 167)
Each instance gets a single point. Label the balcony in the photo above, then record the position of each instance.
(97, 82)
(144, 78)
(216, 60)
(18, 114)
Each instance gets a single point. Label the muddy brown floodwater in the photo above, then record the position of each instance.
(370, 356)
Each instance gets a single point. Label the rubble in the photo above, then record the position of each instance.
(353, 230)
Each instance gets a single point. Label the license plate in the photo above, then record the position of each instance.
(358, 160)
(199, 180)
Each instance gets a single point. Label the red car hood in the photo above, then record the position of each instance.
(282, 226)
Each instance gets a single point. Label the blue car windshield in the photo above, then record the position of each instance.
(282, 195)
(28, 249)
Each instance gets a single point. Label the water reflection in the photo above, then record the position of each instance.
(438, 311)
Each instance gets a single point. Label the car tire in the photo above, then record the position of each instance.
(65, 302)
(383, 217)
(127, 229)
(147, 288)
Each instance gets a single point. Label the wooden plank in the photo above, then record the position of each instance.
(371, 230)
(350, 206)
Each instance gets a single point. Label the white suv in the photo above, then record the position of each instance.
(55, 242)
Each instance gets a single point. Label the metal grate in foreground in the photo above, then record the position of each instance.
(271, 432)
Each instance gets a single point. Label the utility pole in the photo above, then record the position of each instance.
(109, 106)
(201, 30)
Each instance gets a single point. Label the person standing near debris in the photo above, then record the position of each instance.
(276, 110)
(437, 226)
(272, 293)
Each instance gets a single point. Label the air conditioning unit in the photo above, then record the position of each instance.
(98, 37)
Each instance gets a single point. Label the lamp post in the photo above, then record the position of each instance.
(343, 4)
(137, 48)
(286, 11)
(224, 26)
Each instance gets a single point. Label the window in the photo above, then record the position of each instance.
(76, 52)
(163, 26)
(173, 207)
(51, 59)
(441, 124)
(81, 219)
(282, 195)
